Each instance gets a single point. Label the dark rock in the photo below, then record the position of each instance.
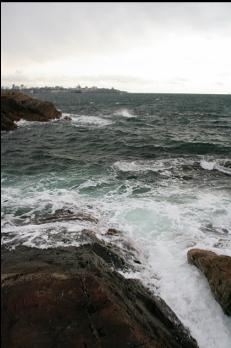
(113, 232)
(16, 106)
(65, 215)
(110, 256)
(67, 118)
(7, 123)
(217, 269)
(71, 297)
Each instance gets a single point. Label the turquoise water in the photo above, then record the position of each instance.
(155, 166)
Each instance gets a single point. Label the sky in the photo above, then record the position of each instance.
(136, 47)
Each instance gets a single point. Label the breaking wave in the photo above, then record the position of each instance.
(87, 120)
(221, 166)
(124, 113)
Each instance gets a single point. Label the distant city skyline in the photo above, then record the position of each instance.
(77, 86)
(135, 47)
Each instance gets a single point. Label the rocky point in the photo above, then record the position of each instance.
(16, 106)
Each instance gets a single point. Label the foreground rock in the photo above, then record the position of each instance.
(74, 297)
(66, 215)
(217, 269)
(16, 106)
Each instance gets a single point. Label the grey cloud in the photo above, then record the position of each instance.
(43, 32)
(49, 30)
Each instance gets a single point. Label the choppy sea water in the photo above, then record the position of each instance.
(155, 166)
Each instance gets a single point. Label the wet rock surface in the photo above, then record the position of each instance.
(16, 106)
(75, 297)
(67, 118)
(65, 215)
(113, 232)
(217, 269)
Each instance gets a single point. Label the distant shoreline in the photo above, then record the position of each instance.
(58, 89)
(34, 90)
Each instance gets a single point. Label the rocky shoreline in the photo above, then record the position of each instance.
(16, 106)
(76, 297)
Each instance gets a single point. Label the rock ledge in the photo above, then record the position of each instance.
(74, 297)
(217, 269)
(16, 106)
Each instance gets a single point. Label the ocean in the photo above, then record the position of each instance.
(154, 166)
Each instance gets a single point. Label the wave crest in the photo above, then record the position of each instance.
(219, 165)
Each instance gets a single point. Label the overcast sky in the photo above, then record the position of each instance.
(138, 47)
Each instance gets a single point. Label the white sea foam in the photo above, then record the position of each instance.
(19, 226)
(187, 292)
(92, 120)
(22, 122)
(25, 123)
(87, 120)
(215, 165)
(163, 231)
(166, 165)
(124, 113)
(152, 165)
(223, 169)
(207, 165)
(162, 226)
